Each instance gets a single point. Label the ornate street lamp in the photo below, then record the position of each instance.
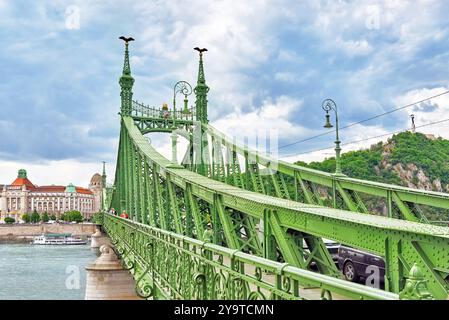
(184, 88)
(327, 106)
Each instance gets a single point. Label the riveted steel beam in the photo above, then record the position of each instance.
(365, 232)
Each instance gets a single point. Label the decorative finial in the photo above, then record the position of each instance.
(129, 39)
(200, 50)
(415, 286)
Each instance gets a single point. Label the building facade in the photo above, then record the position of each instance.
(22, 196)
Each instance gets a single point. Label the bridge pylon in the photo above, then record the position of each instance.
(126, 82)
(202, 158)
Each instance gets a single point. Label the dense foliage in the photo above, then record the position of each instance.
(9, 220)
(71, 216)
(376, 164)
(45, 217)
(35, 217)
(432, 156)
(26, 218)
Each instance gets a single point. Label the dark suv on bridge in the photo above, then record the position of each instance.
(357, 265)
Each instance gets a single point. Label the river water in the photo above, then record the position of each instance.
(44, 272)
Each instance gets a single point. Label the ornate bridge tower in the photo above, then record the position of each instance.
(126, 82)
(201, 91)
(202, 159)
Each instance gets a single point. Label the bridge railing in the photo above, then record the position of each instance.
(171, 266)
(141, 110)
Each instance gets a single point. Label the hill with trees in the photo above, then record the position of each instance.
(408, 159)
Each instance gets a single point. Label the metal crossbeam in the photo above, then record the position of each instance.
(367, 232)
(217, 202)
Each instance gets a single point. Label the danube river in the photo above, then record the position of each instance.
(43, 272)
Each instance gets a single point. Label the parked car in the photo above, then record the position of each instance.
(357, 265)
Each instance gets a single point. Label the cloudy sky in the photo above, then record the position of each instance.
(270, 64)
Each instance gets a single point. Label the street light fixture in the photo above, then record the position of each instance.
(327, 106)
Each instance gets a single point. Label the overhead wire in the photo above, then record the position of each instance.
(365, 139)
(365, 120)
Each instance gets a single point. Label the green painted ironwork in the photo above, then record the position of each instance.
(167, 265)
(345, 192)
(327, 106)
(256, 212)
(126, 83)
(402, 243)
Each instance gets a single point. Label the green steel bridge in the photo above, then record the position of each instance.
(228, 222)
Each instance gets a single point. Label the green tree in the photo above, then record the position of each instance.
(35, 217)
(26, 218)
(45, 217)
(9, 220)
(73, 215)
(53, 217)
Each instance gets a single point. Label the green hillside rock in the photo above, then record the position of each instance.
(408, 159)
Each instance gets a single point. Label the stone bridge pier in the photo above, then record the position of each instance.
(98, 239)
(106, 278)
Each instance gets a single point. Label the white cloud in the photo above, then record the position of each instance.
(55, 172)
(272, 117)
(431, 111)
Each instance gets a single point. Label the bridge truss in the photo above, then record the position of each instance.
(264, 211)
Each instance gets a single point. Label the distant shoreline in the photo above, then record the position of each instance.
(24, 233)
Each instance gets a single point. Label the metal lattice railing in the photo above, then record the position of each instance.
(171, 266)
(141, 110)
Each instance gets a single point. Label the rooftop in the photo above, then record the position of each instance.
(22, 180)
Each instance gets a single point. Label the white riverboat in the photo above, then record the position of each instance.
(57, 239)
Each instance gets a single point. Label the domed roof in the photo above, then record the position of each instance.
(22, 180)
(70, 188)
(22, 173)
(96, 178)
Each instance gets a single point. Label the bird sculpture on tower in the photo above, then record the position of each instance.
(129, 39)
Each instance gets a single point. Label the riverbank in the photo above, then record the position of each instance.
(24, 233)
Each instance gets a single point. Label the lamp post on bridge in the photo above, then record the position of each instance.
(186, 89)
(327, 106)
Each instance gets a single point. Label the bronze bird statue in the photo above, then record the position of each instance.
(126, 39)
(200, 50)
